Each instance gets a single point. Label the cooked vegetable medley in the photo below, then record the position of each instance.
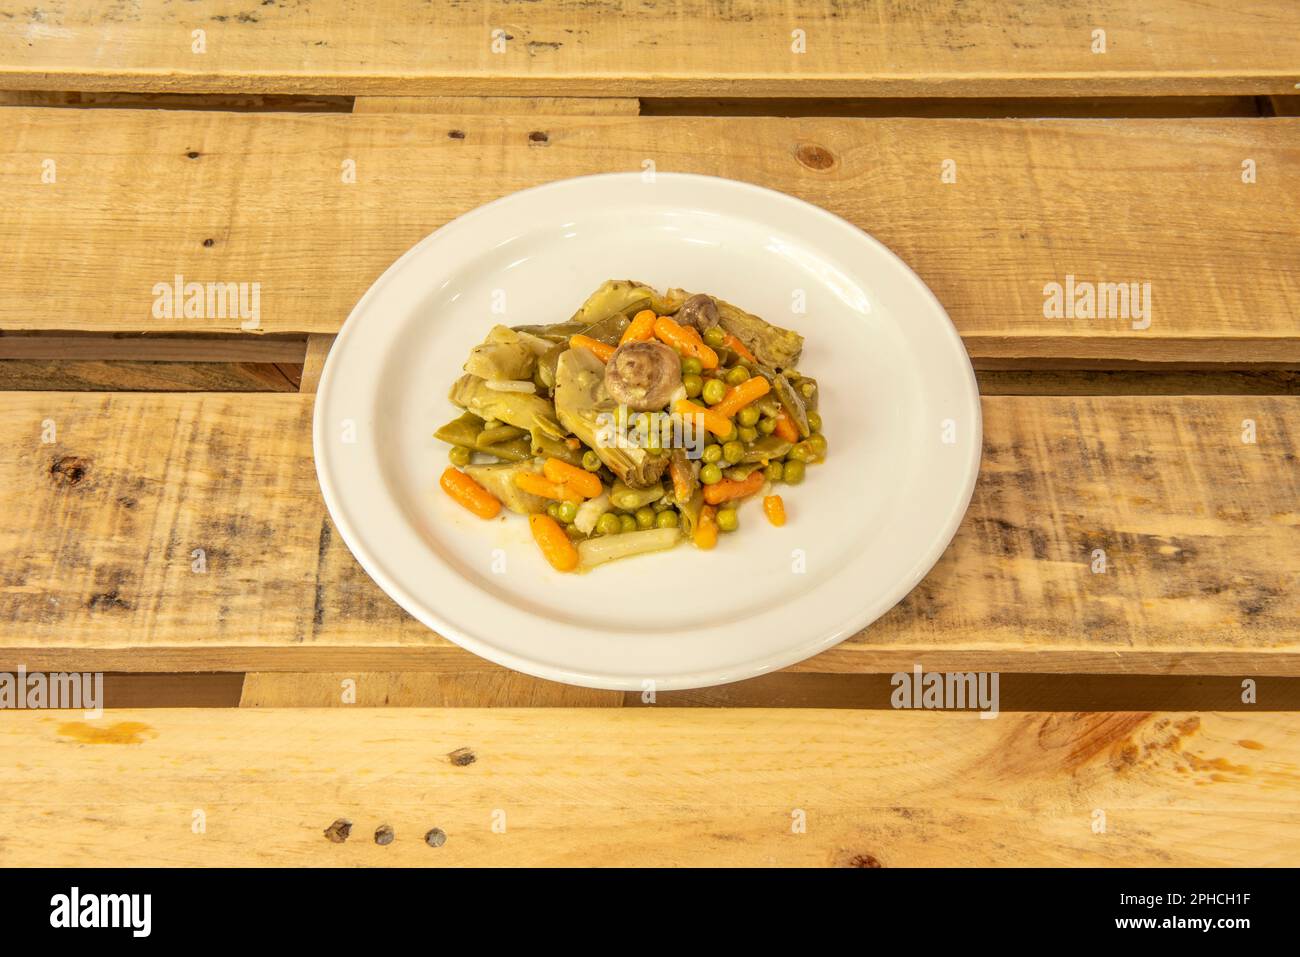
(642, 422)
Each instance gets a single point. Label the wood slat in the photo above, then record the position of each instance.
(98, 532)
(691, 48)
(144, 196)
(649, 786)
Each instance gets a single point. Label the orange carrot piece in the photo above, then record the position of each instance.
(727, 489)
(641, 328)
(706, 529)
(536, 484)
(578, 481)
(679, 337)
(680, 473)
(602, 350)
(717, 424)
(737, 397)
(553, 542)
(785, 427)
(774, 509)
(738, 347)
(469, 493)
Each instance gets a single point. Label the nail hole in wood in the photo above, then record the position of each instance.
(338, 832)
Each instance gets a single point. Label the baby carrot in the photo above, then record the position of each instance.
(642, 327)
(579, 481)
(469, 493)
(670, 332)
(774, 509)
(785, 427)
(541, 485)
(555, 545)
(727, 489)
(741, 395)
(603, 351)
(717, 424)
(706, 529)
(738, 347)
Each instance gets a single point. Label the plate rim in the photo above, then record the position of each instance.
(423, 611)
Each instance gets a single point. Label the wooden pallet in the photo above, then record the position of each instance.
(1173, 157)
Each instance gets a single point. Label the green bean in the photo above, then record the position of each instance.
(814, 421)
(736, 375)
(733, 452)
(773, 472)
(591, 461)
(645, 517)
(609, 524)
(566, 512)
(626, 523)
(727, 519)
(793, 472)
(691, 366)
(666, 519)
(715, 337)
(712, 453)
(715, 390)
(693, 385)
(459, 456)
(711, 474)
(748, 416)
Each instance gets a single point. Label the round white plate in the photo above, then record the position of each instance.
(898, 400)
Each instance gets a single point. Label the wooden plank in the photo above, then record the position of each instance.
(1034, 203)
(267, 349)
(482, 686)
(85, 375)
(1103, 107)
(577, 48)
(501, 105)
(652, 786)
(101, 530)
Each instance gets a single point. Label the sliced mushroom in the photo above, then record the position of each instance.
(699, 311)
(643, 375)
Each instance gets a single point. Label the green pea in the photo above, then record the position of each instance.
(814, 421)
(691, 366)
(818, 443)
(733, 452)
(714, 391)
(712, 453)
(767, 426)
(645, 517)
(666, 519)
(728, 520)
(793, 472)
(748, 416)
(566, 512)
(802, 452)
(807, 389)
(608, 524)
(459, 456)
(731, 436)
(737, 375)
(715, 337)
(553, 510)
(711, 474)
(747, 434)
(773, 472)
(693, 384)
(591, 461)
(626, 523)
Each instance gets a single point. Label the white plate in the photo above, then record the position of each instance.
(898, 400)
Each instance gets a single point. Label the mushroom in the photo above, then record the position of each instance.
(699, 311)
(643, 375)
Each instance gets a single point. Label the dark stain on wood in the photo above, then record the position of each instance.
(462, 757)
(384, 835)
(339, 831)
(456, 134)
(436, 837)
(864, 860)
(814, 157)
(538, 138)
(318, 602)
(69, 470)
(108, 601)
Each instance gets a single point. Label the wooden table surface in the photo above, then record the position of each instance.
(997, 147)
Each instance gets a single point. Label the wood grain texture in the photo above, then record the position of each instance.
(144, 196)
(501, 105)
(682, 48)
(483, 686)
(652, 786)
(99, 533)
